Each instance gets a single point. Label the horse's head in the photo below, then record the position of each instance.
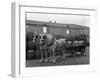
(43, 39)
(36, 37)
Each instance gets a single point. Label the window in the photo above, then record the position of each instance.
(45, 29)
(67, 31)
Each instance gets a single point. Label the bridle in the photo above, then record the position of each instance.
(51, 43)
(36, 37)
(43, 41)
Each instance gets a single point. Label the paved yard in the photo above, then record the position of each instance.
(77, 60)
(68, 61)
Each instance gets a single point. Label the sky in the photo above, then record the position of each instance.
(68, 19)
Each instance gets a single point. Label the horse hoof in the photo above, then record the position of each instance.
(54, 61)
(41, 60)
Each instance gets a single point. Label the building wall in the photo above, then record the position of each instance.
(33, 28)
(58, 31)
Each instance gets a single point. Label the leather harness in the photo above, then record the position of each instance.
(46, 45)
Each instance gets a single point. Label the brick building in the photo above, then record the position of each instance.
(56, 28)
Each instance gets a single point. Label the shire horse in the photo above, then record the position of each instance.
(48, 45)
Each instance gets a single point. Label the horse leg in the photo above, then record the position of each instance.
(46, 56)
(53, 56)
(41, 60)
(63, 53)
(50, 54)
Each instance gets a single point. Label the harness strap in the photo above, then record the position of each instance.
(51, 43)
